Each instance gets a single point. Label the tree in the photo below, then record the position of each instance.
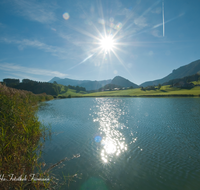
(65, 88)
(54, 82)
(188, 80)
(159, 86)
(77, 89)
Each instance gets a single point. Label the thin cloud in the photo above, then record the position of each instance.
(141, 22)
(127, 12)
(36, 11)
(150, 8)
(73, 39)
(34, 71)
(21, 76)
(54, 50)
(156, 10)
(156, 33)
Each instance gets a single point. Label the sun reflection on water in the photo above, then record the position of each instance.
(113, 141)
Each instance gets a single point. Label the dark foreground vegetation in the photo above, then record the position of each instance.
(36, 87)
(20, 133)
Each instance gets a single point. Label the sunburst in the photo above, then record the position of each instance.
(112, 38)
(107, 43)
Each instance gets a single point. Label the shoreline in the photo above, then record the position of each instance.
(128, 96)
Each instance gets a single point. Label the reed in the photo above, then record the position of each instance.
(20, 133)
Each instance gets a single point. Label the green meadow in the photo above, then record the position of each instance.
(70, 92)
(163, 91)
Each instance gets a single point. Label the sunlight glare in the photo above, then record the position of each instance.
(110, 147)
(107, 43)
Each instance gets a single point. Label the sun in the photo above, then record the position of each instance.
(107, 43)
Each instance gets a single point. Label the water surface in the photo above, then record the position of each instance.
(125, 143)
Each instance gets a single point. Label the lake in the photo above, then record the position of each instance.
(124, 143)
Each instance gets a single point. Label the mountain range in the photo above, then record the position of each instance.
(186, 70)
(87, 84)
(95, 85)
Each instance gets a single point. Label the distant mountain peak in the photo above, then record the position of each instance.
(54, 79)
(118, 80)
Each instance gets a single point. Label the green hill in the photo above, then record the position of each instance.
(120, 81)
(181, 72)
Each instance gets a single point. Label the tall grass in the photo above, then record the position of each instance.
(20, 132)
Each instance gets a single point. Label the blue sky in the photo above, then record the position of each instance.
(42, 39)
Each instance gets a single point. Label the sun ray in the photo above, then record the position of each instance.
(120, 50)
(97, 31)
(121, 62)
(80, 30)
(102, 15)
(81, 62)
(106, 41)
(122, 26)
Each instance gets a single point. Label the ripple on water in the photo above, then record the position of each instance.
(129, 143)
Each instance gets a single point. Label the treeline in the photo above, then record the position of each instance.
(187, 79)
(77, 88)
(149, 88)
(20, 134)
(40, 87)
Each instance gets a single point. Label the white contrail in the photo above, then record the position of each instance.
(163, 18)
(161, 24)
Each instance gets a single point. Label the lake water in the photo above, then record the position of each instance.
(125, 143)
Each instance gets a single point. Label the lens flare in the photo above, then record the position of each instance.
(97, 139)
(66, 16)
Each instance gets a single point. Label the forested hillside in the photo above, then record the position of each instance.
(41, 87)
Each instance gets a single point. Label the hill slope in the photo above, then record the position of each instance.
(123, 82)
(181, 72)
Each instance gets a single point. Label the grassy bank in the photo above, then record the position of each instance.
(20, 132)
(164, 91)
(71, 93)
